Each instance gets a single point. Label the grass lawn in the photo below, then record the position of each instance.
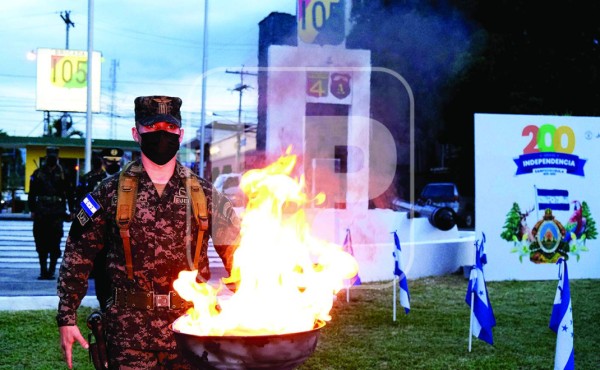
(362, 334)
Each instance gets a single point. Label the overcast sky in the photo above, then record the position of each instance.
(158, 47)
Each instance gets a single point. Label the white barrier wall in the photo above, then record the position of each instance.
(525, 165)
(426, 251)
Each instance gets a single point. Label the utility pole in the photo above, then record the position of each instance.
(66, 116)
(240, 88)
(66, 18)
(113, 87)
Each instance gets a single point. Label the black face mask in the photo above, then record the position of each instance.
(159, 146)
(112, 168)
(51, 161)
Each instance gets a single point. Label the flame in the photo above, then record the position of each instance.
(286, 279)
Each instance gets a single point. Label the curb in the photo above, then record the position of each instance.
(39, 303)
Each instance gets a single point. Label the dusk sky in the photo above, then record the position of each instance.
(158, 48)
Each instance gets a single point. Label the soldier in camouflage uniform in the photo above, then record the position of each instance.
(161, 231)
(49, 194)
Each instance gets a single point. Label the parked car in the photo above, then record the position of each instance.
(445, 194)
(229, 184)
(19, 203)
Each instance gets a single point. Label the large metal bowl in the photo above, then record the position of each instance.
(281, 352)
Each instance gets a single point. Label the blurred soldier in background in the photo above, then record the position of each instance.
(88, 182)
(112, 160)
(49, 193)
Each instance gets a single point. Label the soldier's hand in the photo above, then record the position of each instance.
(68, 336)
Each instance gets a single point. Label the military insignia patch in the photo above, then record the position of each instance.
(340, 85)
(89, 205)
(82, 217)
(181, 197)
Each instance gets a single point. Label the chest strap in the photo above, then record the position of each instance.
(200, 209)
(126, 198)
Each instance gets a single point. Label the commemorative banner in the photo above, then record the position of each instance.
(535, 198)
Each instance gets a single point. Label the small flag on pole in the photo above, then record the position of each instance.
(347, 247)
(482, 315)
(404, 293)
(561, 321)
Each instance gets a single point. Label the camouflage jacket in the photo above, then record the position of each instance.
(160, 230)
(48, 192)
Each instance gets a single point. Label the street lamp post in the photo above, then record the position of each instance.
(203, 107)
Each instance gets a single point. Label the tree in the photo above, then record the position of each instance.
(590, 228)
(63, 127)
(512, 223)
(428, 44)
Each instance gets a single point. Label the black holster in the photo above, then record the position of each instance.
(98, 350)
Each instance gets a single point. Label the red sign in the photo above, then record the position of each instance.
(340, 85)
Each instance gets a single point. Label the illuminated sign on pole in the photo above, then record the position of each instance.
(321, 21)
(62, 80)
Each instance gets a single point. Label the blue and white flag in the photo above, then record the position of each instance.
(404, 294)
(555, 199)
(482, 315)
(347, 247)
(561, 321)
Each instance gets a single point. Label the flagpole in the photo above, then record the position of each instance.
(537, 208)
(472, 296)
(471, 320)
(394, 295)
(337, 224)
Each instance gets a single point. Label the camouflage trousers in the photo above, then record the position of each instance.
(132, 359)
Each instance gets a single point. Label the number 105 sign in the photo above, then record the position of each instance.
(62, 80)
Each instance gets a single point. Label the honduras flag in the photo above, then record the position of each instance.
(347, 247)
(404, 294)
(561, 321)
(555, 199)
(482, 319)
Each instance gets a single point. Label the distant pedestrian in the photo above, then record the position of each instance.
(49, 195)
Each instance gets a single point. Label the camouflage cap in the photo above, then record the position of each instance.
(112, 154)
(153, 109)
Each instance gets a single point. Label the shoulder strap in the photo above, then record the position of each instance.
(200, 210)
(126, 197)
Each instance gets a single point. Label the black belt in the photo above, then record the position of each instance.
(148, 300)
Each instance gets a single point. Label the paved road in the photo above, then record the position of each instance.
(19, 268)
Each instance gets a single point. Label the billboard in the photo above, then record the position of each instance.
(62, 80)
(536, 201)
